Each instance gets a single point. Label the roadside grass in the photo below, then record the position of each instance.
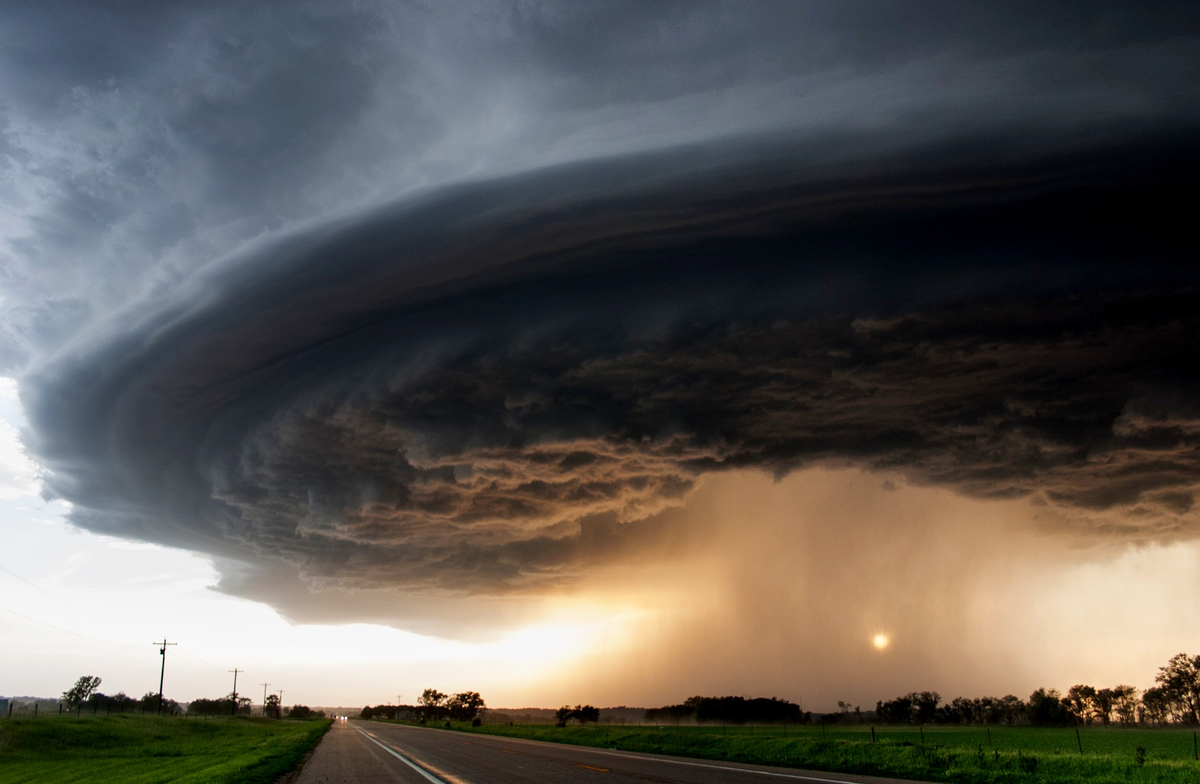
(972, 755)
(148, 750)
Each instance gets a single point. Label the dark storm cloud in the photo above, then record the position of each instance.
(634, 247)
(438, 394)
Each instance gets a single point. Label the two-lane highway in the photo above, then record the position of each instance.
(371, 752)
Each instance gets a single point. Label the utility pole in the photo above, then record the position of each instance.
(281, 703)
(162, 651)
(265, 685)
(235, 671)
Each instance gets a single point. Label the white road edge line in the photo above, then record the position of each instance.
(799, 776)
(663, 760)
(402, 758)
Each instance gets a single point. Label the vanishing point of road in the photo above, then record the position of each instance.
(372, 753)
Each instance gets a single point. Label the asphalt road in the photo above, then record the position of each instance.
(377, 753)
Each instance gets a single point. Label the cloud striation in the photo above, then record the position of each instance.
(510, 374)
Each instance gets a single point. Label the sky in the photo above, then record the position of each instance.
(606, 352)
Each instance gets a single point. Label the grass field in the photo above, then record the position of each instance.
(144, 750)
(974, 755)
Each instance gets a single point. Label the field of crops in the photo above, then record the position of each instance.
(148, 750)
(977, 755)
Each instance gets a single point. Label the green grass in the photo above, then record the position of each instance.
(146, 750)
(963, 754)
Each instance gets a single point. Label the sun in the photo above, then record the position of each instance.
(880, 641)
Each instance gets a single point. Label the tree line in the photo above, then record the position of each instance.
(85, 694)
(1174, 700)
(729, 710)
(433, 706)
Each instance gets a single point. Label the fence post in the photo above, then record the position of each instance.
(872, 734)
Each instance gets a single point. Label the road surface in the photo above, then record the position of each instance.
(371, 753)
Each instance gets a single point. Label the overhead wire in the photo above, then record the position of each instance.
(35, 586)
(67, 631)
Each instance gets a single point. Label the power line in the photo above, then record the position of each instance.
(197, 663)
(68, 631)
(35, 586)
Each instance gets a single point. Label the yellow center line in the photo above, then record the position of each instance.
(589, 767)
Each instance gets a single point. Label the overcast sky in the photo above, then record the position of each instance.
(449, 331)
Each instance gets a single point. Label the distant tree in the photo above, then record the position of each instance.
(1008, 709)
(1103, 705)
(1126, 703)
(81, 691)
(206, 707)
(563, 715)
(119, 702)
(367, 712)
(586, 713)
(1080, 703)
(432, 705)
(465, 706)
(1180, 683)
(897, 711)
(966, 710)
(1156, 706)
(925, 705)
(272, 708)
(300, 712)
(1047, 709)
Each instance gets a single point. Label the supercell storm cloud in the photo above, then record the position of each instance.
(962, 260)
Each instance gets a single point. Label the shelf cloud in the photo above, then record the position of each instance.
(481, 312)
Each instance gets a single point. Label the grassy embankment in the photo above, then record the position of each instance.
(973, 755)
(143, 750)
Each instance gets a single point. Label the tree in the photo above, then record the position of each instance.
(897, 711)
(1125, 703)
(1047, 709)
(586, 713)
(432, 705)
(1180, 683)
(966, 710)
(1156, 706)
(1103, 704)
(925, 706)
(272, 707)
(465, 706)
(1008, 708)
(300, 712)
(563, 715)
(1080, 702)
(81, 691)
